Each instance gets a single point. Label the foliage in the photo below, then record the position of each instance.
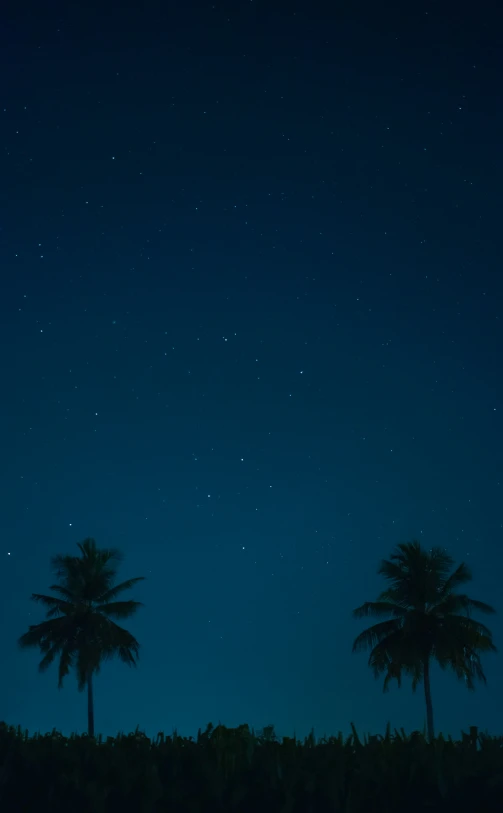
(238, 771)
(80, 628)
(426, 618)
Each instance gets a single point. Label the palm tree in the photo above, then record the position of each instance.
(80, 629)
(427, 620)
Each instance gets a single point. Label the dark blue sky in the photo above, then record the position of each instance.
(251, 332)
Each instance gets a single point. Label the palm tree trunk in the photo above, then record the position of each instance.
(427, 695)
(90, 705)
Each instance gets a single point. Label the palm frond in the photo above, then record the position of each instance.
(480, 606)
(406, 550)
(66, 663)
(91, 573)
(46, 631)
(113, 592)
(370, 637)
(441, 562)
(473, 629)
(466, 664)
(63, 591)
(49, 657)
(453, 603)
(65, 567)
(57, 606)
(122, 640)
(378, 609)
(101, 556)
(459, 641)
(390, 570)
(393, 672)
(462, 575)
(382, 658)
(119, 609)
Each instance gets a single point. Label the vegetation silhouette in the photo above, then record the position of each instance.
(228, 770)
(80, 628)
(427, 620)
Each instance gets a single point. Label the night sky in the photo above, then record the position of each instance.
(251, 331)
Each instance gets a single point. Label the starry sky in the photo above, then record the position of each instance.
(251, 331)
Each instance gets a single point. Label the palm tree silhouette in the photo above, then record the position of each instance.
(79, 628)
(427, 620)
